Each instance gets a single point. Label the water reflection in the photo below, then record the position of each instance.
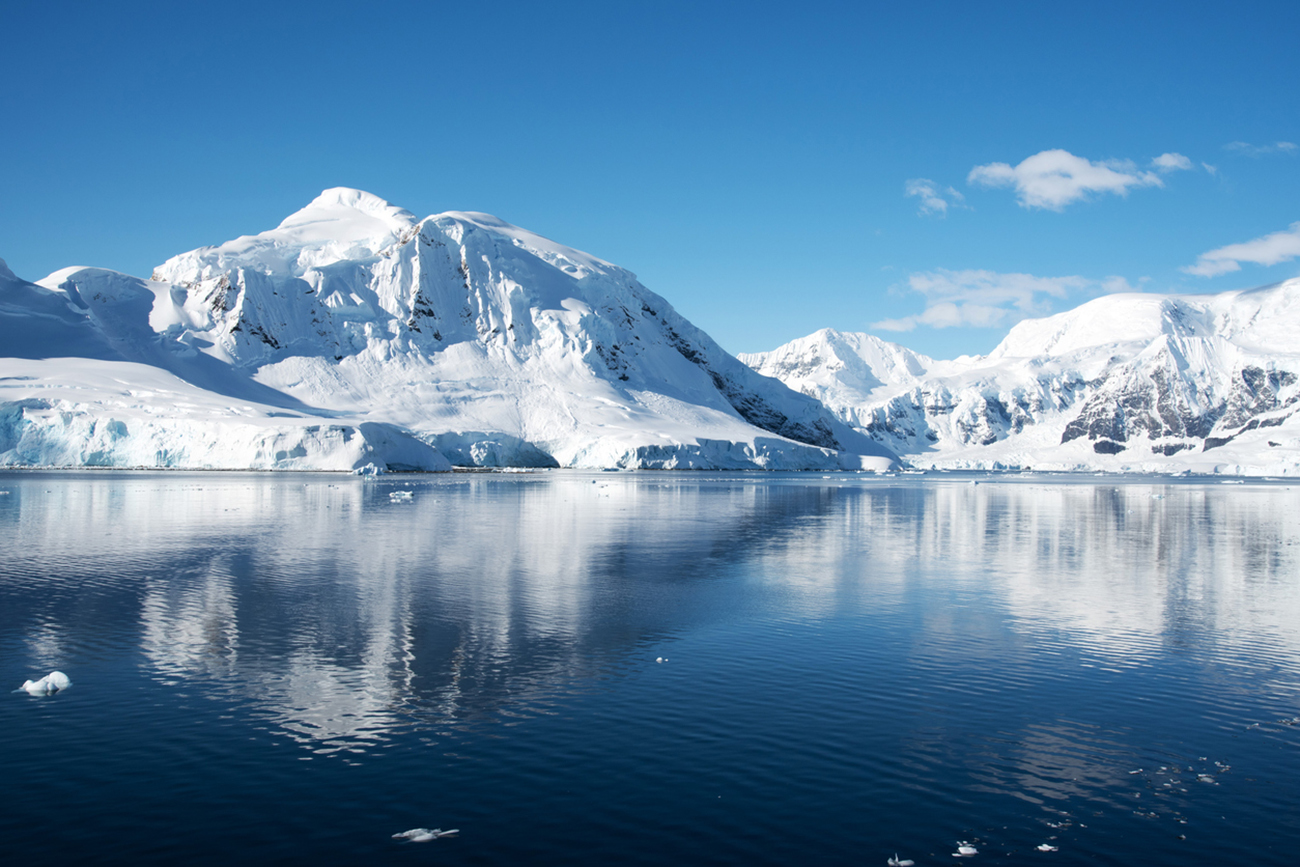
(190, 628)
(342, 616)
(352, 603)
(1017, 663)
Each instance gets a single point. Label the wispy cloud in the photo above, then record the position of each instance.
(983, 299)
(1171, 163)
(1250, 150)
(935, 200)
(1268, 250)
(1052, 179)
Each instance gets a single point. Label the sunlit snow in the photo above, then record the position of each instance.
(354, 335)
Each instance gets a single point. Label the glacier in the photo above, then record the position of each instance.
(1123, 383)
(355, 335)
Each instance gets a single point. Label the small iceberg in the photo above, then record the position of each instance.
(48, 685)
(424, 835)
(1047, 847)
(965, 850)
(900, 862)
(400, 496)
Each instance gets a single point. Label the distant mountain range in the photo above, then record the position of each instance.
(356, 336)
(1139, 382)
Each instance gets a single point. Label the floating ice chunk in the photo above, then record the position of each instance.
(900, 862)
(1047, 847)
(414, 832)
(51, 683)
(369, 470)
(965, 850)
(424, 835)
(399, 496)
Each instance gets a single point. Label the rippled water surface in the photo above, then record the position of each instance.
(292, 668)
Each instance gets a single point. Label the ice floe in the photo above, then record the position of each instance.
(51, 683)
(424, 835)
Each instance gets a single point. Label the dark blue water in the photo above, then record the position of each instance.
(292, 668)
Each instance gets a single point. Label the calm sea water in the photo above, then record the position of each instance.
(292, 668)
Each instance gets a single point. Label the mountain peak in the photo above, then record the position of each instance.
(828, 361)
(344, 205)
(340, 224)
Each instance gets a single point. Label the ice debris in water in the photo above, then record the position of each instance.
(424, 835)
(51, 683)
(965, 850)
(1047, 847)
(900, 862)
(399, 496)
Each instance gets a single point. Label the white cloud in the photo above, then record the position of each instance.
(1250, 150)
(1171, 163)
(1053, 179)
(982, 299)
(1268, 250)
(933, 199)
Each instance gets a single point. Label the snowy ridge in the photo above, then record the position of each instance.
(485, 343)
(837, 367)
(1124, 382)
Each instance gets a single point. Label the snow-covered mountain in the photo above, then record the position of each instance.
(1134, 381)
(355, 333)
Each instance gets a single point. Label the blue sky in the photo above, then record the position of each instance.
(929, 174)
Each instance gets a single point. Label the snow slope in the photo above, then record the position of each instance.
(480, 342)
(1207, 383)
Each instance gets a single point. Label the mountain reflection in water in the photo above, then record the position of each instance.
(833, 644)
